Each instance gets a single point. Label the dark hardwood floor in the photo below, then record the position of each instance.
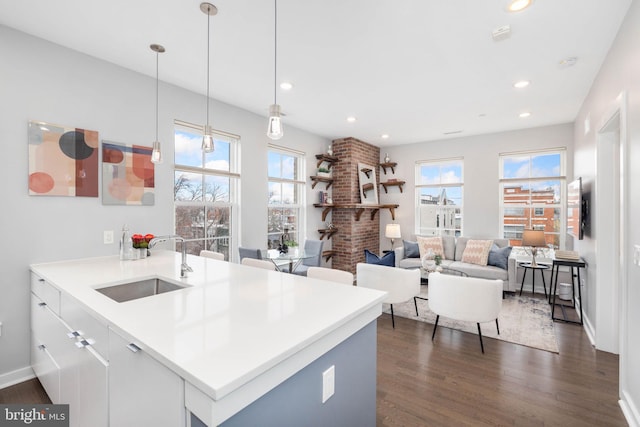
(451, 383)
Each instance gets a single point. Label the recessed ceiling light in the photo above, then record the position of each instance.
(351, 119)
(384, 136)
(568, 62)
(286, 86)
(525, 114)
(518, 5)
(521, 84)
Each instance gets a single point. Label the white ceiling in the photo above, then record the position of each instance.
(414, 69)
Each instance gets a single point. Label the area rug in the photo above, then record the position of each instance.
(524, 320)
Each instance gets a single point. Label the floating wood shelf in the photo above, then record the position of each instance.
(327, 232)
(366, 188)
(391, 165)
(327, 255)
(366, 171)
(317, 179)
(359, 209)
(392, 184)
(330, 160)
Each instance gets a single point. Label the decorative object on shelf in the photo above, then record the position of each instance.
(156, 152)
(208, 145)
(329, 201)
(128, 176)
(324, 172)
(387, 159)
(392, 231)
(533, 239)
(274, 129)
(63, 160)
(367, 181)
(330, 150)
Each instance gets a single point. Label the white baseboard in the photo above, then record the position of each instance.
(629, 409)
(587, 326)
(15, 377)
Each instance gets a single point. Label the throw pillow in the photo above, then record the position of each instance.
(411, 249)
(499, 257)
(388, 259)
(433, 243)
(477, 252)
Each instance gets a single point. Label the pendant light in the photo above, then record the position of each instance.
(207, 140)
(156, 152)
(274, 129)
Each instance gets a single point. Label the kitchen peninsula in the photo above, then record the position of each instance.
(232, 345)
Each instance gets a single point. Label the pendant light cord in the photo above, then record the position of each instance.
(275, 52)
(157, 96)
(208, 38)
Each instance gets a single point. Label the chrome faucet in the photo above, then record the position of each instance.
(184, 267)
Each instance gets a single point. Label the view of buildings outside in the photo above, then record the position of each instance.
(285, 197)
(531, 187)
(203, 193)
(439, 186)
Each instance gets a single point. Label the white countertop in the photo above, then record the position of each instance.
(231, 324)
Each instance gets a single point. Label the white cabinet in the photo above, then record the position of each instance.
(142, 391)
(69, 369)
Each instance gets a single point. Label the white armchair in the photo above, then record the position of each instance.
(400, 284)
(465, 298)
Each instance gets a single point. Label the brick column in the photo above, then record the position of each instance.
(353, 237)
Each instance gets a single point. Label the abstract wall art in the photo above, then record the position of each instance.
(127, 175)
(63, 161)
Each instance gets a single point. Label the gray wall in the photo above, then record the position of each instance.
(481, 169)
(620, 72)
(43, 81)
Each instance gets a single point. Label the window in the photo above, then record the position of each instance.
(205, 190)
(439, 186)
(531, 194)
(286, 196)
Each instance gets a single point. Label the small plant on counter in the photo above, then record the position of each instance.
(141, 241)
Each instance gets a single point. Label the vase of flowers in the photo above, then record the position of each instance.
(141, 244)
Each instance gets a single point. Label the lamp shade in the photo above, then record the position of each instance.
(533, 238)
(392, 231)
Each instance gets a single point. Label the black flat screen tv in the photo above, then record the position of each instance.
(575, 211)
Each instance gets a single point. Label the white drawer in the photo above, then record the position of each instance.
(46, 292)
(88, 326)
(45, 368)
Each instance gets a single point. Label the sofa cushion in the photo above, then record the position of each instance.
(483, 272)
(388, 259)
(410, 263)
(449, 246)
(411, 249)
(477, 251)
(433, 243)
(499, 257)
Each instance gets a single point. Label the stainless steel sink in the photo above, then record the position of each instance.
(139, 289)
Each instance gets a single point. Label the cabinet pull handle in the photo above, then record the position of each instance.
(41, 347)
(85, 343)
(40, 280)
(74, 334)
(134, 348)
(42, 304)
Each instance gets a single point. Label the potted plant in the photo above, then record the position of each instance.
(324, 172)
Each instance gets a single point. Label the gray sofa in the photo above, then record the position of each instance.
(453, 250)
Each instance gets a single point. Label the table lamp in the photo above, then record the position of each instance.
(392, 232)
(534, 239)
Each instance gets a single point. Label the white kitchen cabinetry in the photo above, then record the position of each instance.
(70, 370)
(143, 392)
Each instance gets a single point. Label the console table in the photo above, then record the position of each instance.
(575, 266)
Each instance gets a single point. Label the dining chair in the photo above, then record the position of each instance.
(400, 284)
(249, 253)
(213, 255)
(310, 247)
(331, 275)
(469, 299)
(259, 263)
